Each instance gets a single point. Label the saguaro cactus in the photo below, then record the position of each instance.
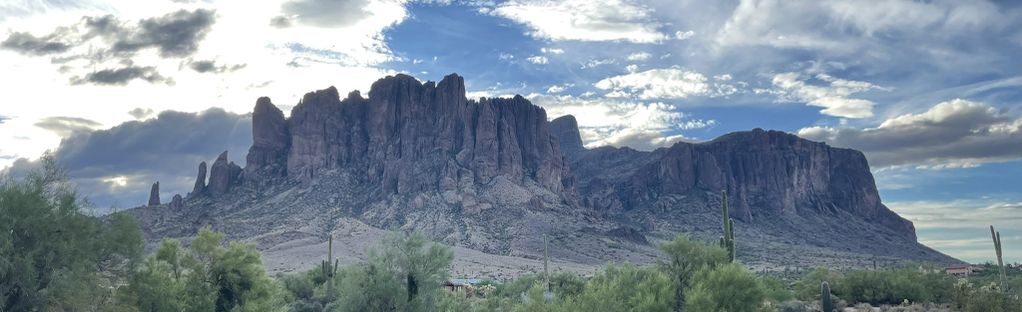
(825, 303)
(1000, 262)
(728, 240)
(328, 270)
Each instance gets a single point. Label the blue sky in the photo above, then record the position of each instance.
(931, 91)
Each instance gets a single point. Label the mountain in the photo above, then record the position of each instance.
(494, 176)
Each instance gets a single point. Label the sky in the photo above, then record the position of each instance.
(125, 93)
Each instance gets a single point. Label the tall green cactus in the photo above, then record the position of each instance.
(1000, 262)
(328, 270)
(728, 240)
(825, 303)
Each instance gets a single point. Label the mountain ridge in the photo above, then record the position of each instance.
(492, 174)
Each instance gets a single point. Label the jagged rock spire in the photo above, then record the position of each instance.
(200, 180)
(154, 194)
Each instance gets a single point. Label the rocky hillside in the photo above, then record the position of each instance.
(494, 175)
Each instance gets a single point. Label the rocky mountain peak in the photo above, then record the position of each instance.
(565, 128)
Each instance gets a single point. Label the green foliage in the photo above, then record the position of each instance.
(808, 288)
(52, 255)
(775, 290)
(405, 274)
(894, 287)
(725, 287)
(682, 258)
(208, 277)
(626, 288)
(987, 298)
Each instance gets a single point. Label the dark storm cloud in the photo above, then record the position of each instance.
(137, 153)
(175, 35)
(66, 126)
(28, 44)
(956, 133)
(121, 76)
(322, 13)
(209, 66)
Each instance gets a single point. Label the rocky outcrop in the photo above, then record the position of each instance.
(765, 173)
(200, 180)
(410, 136)
(176, 202)
(154, 194)
(565, 128)
(223, 175)
(270, 140)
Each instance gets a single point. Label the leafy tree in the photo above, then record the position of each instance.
(775, 290)
(626, 288)
(725, 287)
(208, 277)
(682, 258)
(406, 273)
(52, 255)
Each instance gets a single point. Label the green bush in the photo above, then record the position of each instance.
(726, 287)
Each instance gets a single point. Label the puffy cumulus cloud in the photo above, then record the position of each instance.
(583, 20)
(642, 126)
(665, 83)
(956, 133)
(822, 90)
(116, 166)
(684, 35)
(66, 126)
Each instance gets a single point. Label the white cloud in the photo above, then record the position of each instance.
(684, 35)
(597, 62)
(583, 20)
(952, 134)
(552, 50)
(345, 57)
(602, 121)
(632, 68)
(639, 56)
(558, 88)
(664, 83)
(830, 93)
(538, 59)
(839, 25)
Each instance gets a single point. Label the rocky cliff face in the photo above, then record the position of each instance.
(408, 137)
(490, 173)
(766, 173)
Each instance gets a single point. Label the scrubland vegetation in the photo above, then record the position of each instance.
(56, 258)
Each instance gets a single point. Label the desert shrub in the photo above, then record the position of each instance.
(727, 287)
(681, 258)
(895, 286)
(808, 287)
(625, 288)
(206, 277)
